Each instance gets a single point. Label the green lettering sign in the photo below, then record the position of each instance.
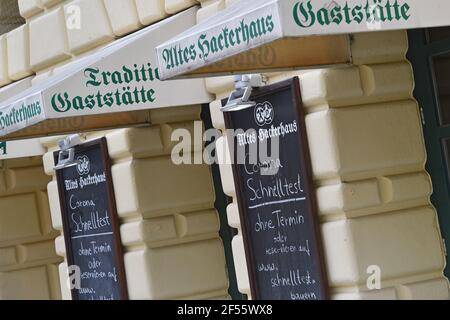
(20, 113)
(374, 11)
(215, 42)
(132, 89)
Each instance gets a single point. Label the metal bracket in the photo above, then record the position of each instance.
(444, 246)
(240, 98)
(66, 157)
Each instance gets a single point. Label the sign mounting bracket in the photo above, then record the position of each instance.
(240, 98)
(67, 153)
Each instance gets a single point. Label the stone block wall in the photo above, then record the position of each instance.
(28, 260)
(58, 32)
(368, 157)
(169, 226)
(367, 149)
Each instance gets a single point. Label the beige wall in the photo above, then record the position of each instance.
(368, 157)
(28, 261)
(169, 226)
(366, 144)
(46, 42)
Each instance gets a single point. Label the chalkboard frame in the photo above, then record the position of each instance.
(102, 144)
(294, 85)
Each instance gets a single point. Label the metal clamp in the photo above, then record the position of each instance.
(240, 98)
(66, 157)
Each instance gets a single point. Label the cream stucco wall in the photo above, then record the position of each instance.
(366, 144)
(28, 260)
(368, 157)
(58, 32)
(169, 226)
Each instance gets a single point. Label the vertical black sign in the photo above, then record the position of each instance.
(276, 197)
(91, 227)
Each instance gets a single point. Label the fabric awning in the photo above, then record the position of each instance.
(113, 87)
(284, 34)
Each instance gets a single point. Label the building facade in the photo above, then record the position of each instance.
(371, 127)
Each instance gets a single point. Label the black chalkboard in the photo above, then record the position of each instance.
(91, 227)
(278, 209)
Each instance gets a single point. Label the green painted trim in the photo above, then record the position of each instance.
(420, 54)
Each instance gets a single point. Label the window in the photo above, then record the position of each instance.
(429, 54)
(441, 70)
(438, 34)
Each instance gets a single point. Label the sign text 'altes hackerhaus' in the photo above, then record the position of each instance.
(206, 45)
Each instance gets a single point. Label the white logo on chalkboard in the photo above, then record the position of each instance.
(264, 113)
(83, 165)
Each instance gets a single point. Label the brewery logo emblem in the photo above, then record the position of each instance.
(83, 165)
(264, 113)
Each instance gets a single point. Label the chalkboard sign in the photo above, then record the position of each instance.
(276, 197)
(91, 227)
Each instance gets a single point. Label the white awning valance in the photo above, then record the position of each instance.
(112, 87)
(284, 34)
